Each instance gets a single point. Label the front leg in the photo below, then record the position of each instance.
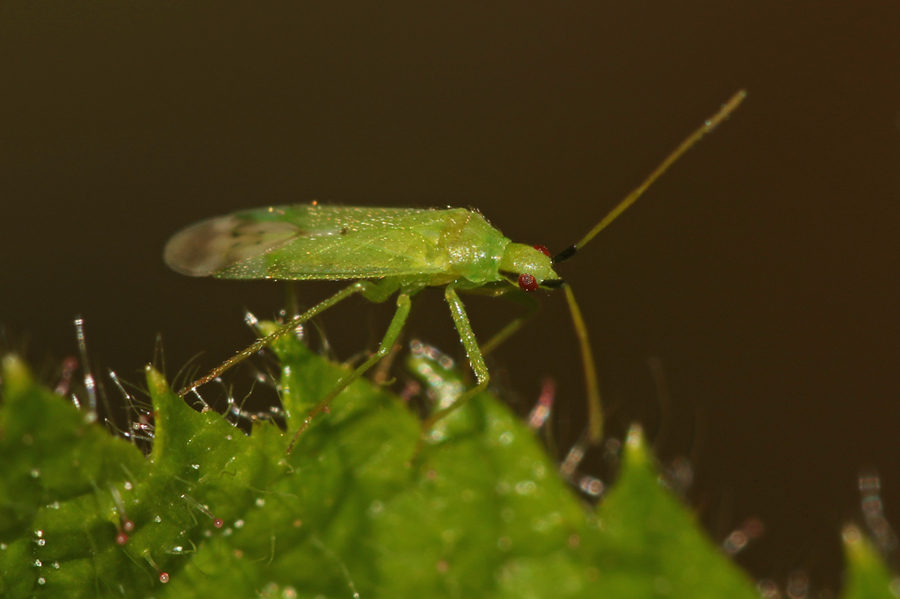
(476, 361)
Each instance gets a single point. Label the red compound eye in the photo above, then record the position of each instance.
(542, 249)
(527, 282)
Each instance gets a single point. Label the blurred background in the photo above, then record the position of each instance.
(761, 272)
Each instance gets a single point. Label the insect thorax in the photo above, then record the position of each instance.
(472, 249)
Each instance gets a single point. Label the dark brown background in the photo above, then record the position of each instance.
(761, 271)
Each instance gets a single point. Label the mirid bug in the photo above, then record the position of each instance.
(388, 251)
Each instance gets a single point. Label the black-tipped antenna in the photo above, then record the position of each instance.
(693, 138)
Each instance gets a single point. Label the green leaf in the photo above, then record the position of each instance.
(867, 576)
(214, 512)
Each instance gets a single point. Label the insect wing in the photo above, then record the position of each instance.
(213, 245)
(313, 242)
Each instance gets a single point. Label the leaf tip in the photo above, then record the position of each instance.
(636, 445)
(857, 548)
(15, 374)
(852, 537)
(866, 569)
(156, 382)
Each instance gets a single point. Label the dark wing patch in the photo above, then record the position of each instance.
(213, 245)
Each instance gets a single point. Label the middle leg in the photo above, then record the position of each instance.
(390, 337)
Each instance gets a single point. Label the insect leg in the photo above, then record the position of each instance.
(387, 343)
(476, 361)
(595, 411)
(281, 331)
(531, 308)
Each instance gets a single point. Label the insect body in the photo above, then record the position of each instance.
(405, 248)
(388, 251)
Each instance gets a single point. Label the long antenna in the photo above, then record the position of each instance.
(631, 198)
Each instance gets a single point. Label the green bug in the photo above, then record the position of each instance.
(388, 251)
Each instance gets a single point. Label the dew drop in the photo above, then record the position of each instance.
(35, 473)
(218, 522)
(41, 542)
(635, 437)
(768, 589)
(54, 505)
(157, 519)
(121, 538)
(164, 577)
(37, 563)
(195, 466)
(735, 542)
(55, 565)
(591, 485)
(260, 502)
(42, 580)
(127, 525)
(851, 535)
(128, 486)
(239, 524)
(526, 487)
